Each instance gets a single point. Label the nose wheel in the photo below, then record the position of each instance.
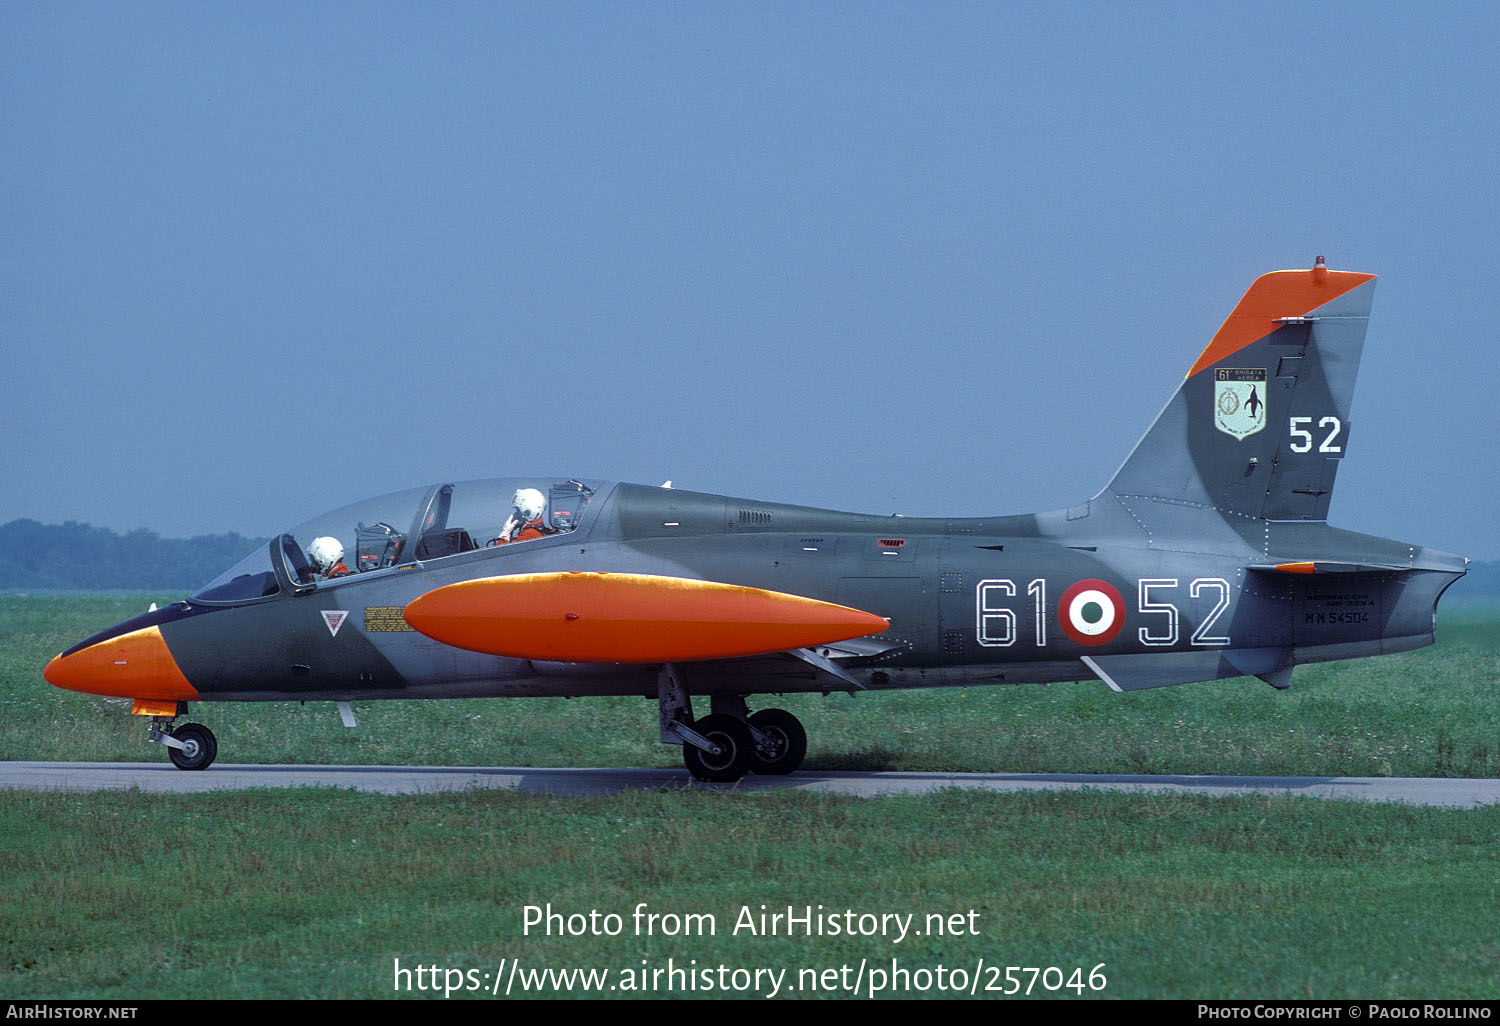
(191, 746)
(199, 747)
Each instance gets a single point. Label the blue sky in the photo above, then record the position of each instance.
(260, 260)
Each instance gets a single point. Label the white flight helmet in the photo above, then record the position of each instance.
(529, 505)
(325, 553)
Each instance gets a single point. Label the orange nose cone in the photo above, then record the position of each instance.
(134, 665)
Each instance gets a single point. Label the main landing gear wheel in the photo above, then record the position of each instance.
(736, 749)
(786, 742)
(198, 747)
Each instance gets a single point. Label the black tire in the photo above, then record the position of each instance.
(736, 744)
(788, 743)
(201, 748)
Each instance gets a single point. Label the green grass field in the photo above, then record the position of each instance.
(302, 893)
(317, 893)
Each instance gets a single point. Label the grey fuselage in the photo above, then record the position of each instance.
(970, 601)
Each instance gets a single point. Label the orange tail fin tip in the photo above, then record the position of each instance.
(1273, 297)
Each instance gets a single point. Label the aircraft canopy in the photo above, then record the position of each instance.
(403, 528)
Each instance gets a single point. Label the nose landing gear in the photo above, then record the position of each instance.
(191, 746)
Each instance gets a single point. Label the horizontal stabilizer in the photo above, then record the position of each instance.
(1327, 566)
(589, 617)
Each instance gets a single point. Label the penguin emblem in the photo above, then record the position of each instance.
(1239, 405)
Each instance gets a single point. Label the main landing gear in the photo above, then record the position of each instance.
(728, 743)
(191, 746)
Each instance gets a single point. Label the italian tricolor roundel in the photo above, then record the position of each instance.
(1092, 612)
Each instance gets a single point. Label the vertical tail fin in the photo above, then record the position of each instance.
(1260, 424)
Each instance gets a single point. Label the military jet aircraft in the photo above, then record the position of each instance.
(1208, 555)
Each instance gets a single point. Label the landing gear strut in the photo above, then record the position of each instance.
(191, 746)
(724, 745)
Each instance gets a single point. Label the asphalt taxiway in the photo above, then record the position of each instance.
(162, 777)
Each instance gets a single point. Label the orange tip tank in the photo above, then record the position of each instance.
(589, 617)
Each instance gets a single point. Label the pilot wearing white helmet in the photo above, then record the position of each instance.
(327, 557)
(525, 521)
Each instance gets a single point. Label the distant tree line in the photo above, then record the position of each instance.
(79, 556)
